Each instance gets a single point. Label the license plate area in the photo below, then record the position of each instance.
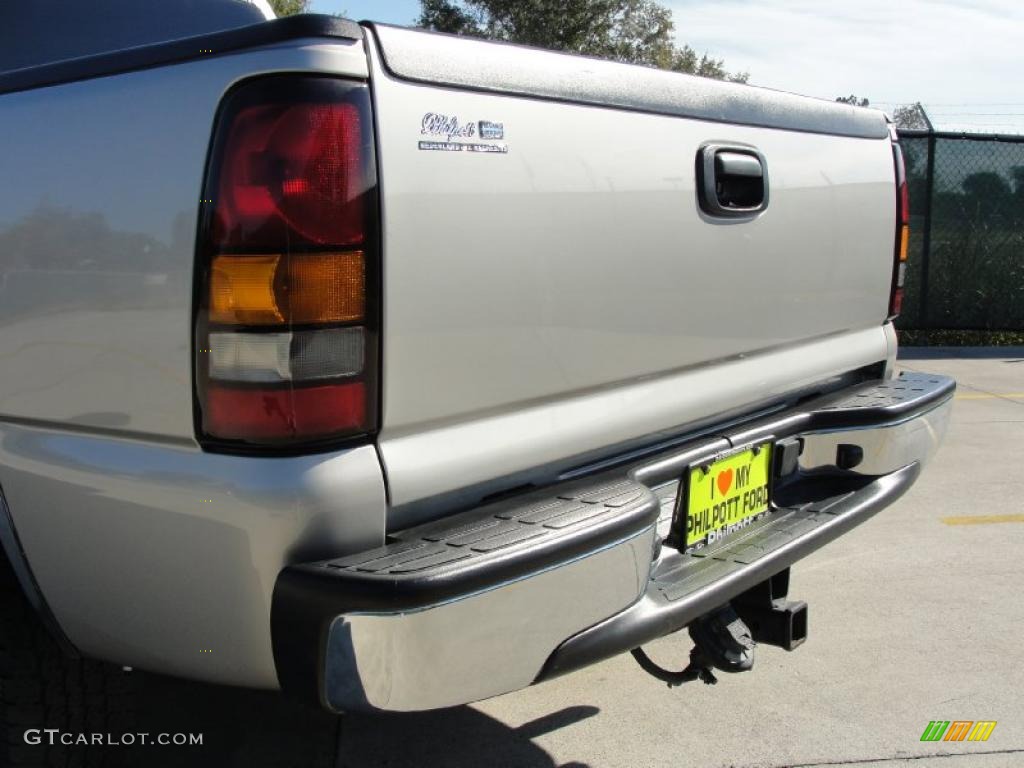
(723, 496)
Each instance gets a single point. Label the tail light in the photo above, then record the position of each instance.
(902, 233)
(287, 280)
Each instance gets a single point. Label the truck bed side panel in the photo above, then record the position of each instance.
(146, 548)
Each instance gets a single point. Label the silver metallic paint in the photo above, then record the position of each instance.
(98, 228)
(446, 456)
(145, 548)
(570, 295)
(147, 553)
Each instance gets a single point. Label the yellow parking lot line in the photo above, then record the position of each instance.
(983, 519)
(987, 395)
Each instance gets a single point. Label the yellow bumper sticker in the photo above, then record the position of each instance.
(727, 495)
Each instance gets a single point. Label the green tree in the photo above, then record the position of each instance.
(989, 193)
(986, 185)
(911, 117)
(855, 101)
(289, 7)
(633, 31)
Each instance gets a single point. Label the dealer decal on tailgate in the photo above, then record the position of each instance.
(726, 495)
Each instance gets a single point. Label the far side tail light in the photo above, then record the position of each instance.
(287, 279)
(902, 233)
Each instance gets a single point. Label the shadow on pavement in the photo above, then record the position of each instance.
(253, 729)
(241, 728)
(450, 738)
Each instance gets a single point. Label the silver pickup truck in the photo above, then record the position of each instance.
(398, 370)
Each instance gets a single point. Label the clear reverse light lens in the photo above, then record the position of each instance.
(296, 357)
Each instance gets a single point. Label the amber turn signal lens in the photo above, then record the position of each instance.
(327, 287)
(242, 290)
(297, 289)
(904, 241)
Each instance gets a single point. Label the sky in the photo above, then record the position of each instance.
(962, 59)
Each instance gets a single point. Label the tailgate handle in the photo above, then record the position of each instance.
(732, 180)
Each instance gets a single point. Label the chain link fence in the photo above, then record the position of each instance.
(965, 267)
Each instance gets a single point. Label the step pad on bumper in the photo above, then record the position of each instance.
(461, 555)
(887, 400)
(448, 551)
(708, 566)
(426, 550)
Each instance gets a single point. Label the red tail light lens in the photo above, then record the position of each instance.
(902, 233)
(293, 168)
(286, 316)
(250, 414)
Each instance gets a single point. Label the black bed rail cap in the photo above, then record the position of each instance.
(179, 50)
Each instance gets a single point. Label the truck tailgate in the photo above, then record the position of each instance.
(573, 263)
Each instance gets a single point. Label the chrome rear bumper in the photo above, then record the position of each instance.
(494, 599)
(490, 642)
